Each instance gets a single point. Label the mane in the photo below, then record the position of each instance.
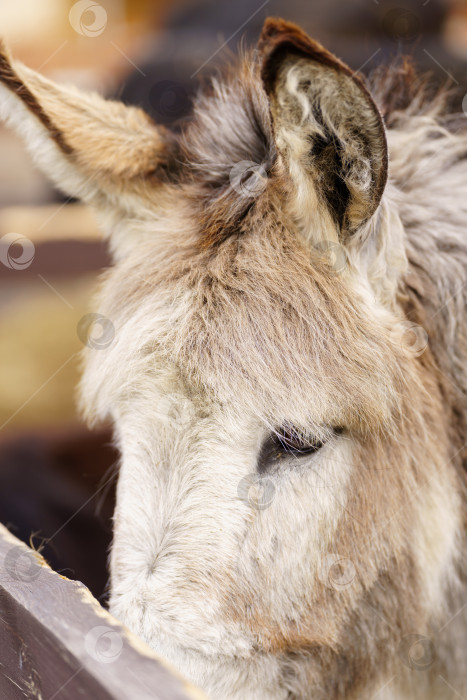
(428, 141)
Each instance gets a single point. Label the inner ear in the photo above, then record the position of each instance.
(326, 124)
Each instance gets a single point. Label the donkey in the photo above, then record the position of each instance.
(287, 369)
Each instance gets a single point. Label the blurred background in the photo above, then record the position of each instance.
(56, 477)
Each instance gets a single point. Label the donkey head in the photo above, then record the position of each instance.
(273, 422)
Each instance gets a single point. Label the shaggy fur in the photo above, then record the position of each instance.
(234, 333)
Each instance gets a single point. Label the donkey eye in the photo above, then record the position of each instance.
(296, 444)
(287, 442)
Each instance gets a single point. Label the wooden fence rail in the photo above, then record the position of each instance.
(58, 643)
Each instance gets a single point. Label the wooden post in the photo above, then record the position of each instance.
(58, 643)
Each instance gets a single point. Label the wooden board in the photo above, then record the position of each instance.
(58, 643)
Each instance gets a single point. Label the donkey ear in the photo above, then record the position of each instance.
(93, 149)
(325, 123)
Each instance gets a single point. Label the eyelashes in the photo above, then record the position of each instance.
(288, 442)
(296, 444)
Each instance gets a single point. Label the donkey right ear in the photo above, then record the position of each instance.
(327, 128)
(91, 148)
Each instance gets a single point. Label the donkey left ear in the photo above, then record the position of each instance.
(92, 148)
(326, 125)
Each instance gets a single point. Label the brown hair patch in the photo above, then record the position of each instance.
(9, 78)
